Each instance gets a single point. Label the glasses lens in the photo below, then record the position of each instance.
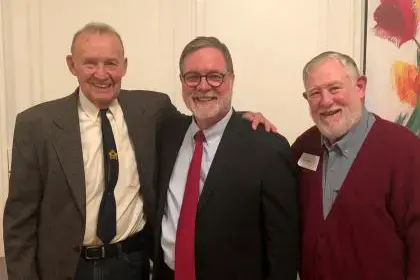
(192, 79)
(215, 79)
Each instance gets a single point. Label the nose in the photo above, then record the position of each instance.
(203, 85)
(326, 99)
(100, 71)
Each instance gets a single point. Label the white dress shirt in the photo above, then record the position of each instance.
(178, 180)
(130, 218)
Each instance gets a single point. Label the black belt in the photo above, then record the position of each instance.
(136, 242)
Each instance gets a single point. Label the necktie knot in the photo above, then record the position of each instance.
(199, 137)
(103, 112)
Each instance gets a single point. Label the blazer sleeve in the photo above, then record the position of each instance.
(22, 205)
(281, 218)
(168, 111)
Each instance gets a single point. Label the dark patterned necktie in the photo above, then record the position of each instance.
(107, 227)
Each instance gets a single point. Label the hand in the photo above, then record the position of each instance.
(258, 118)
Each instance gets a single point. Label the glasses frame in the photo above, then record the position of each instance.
(223, 75)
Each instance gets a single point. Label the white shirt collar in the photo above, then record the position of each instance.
(214, 131)
(91, 110)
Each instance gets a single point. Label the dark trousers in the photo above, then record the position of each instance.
(124, 266)
(165, 273)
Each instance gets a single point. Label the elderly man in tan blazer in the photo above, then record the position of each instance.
(57, 182)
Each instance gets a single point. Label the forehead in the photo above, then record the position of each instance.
(328, 71)
(205, 59)
(94, 43)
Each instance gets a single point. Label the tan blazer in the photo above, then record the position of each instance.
(44, 218)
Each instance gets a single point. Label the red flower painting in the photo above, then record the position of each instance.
(396, 20)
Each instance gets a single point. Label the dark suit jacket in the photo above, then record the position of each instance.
(247, 219)
(44, 218)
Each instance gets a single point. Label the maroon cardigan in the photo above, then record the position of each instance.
(373, 229)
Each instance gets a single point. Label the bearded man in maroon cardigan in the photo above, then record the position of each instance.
(359, 182)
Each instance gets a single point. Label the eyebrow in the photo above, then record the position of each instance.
(336, 83)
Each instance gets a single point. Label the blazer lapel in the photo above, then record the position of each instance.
(171, 140)
(142, 134)
(137, 127)
(68, 145)
(222, 165)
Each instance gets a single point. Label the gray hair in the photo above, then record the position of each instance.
(206, 42)
(344, 59)
(95, 27)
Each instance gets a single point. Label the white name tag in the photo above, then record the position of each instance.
(308, 161)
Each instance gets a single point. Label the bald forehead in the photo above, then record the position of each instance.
(87, 35)
(330, 65)
(327, 61)
(326, 72)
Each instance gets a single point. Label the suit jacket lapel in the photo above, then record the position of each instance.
(222, 163)
(136, 126)
(142, 135)
(67, 143)
(171, 140)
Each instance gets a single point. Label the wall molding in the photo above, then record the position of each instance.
(323, 30)
(358, 31)
(198, 17)
(35, 46)
(22, 49)
(347, 35)
(3, 128)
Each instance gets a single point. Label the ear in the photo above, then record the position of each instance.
(125, 65)
(361, 86)
(231, 79)
(70, 64)
(305, 95)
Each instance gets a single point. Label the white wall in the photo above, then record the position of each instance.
(3, 130)
(270, 41)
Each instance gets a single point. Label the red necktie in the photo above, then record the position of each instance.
(185, 234)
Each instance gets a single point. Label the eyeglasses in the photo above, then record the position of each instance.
(193, 79)
(316, 93)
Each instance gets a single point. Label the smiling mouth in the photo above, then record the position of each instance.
(204, 98)
(330, 113)
(102, 87)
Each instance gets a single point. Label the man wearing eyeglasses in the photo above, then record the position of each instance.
(227, 194)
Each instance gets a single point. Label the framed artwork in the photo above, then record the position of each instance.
(392, 60)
